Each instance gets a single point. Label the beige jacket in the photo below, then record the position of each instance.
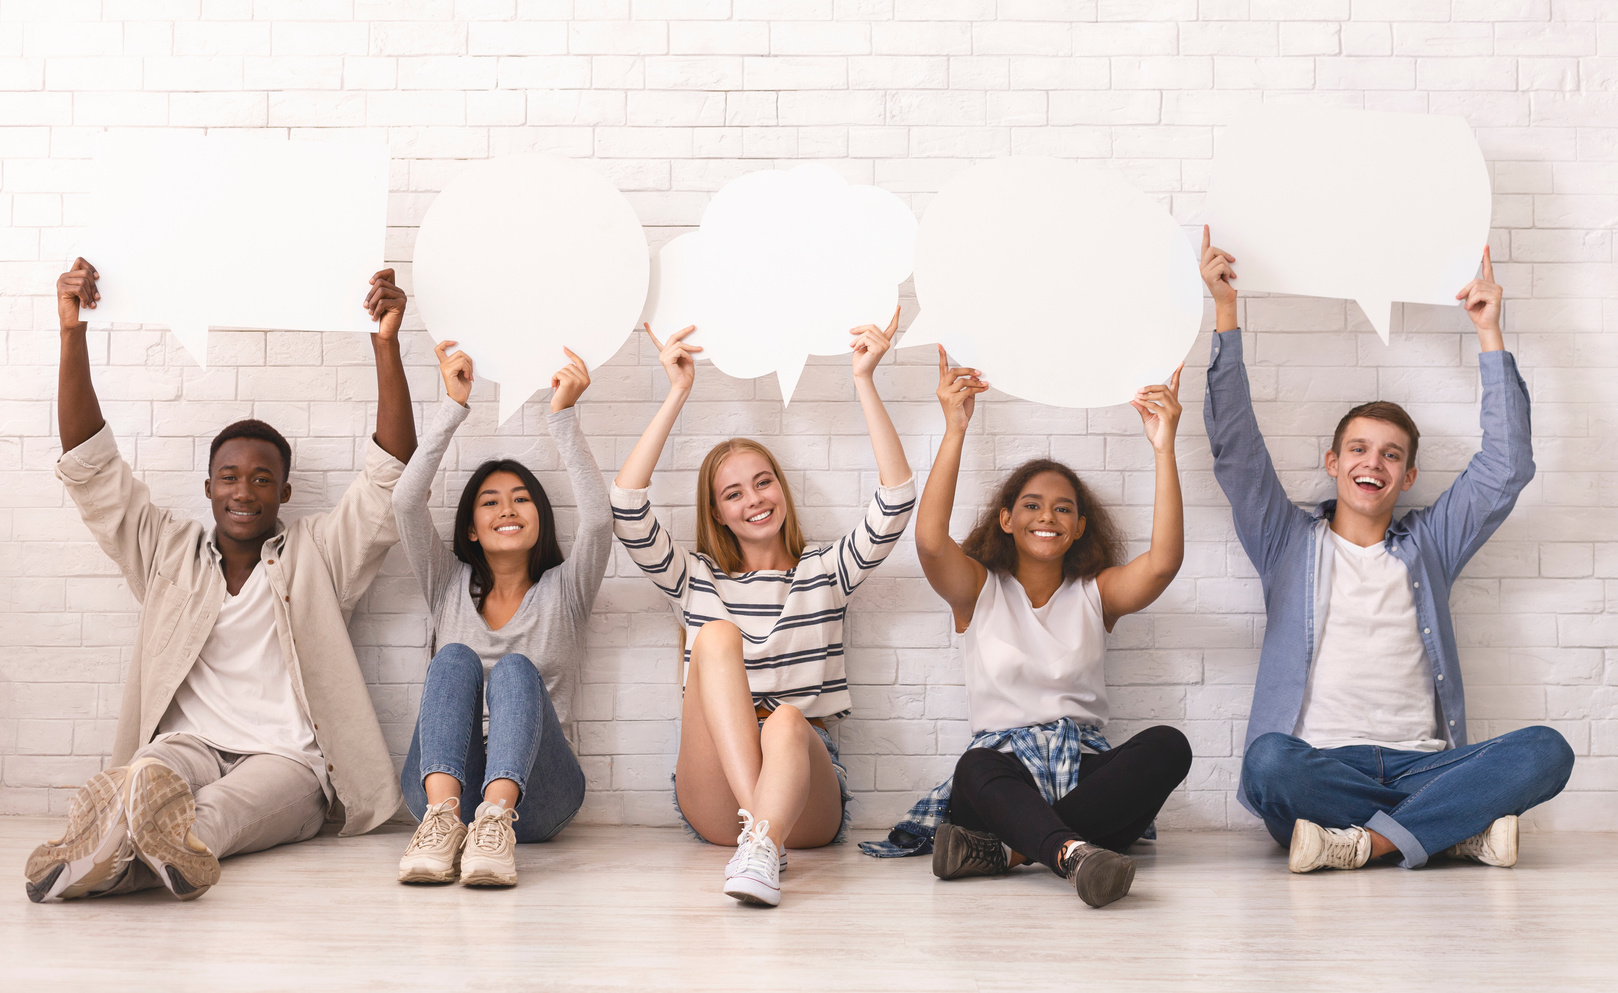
(319, 566)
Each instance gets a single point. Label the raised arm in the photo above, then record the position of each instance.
(953, 575)
(592, 538)
(78, 412)
(870, 344)
(395, 422)
(1130, 587)
(677, 360)
(431, 558)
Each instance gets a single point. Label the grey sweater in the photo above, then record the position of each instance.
(549, 627)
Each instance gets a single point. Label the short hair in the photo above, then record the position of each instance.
(717, 541)
(252, 428)
(1380, 410)
(1100, 547)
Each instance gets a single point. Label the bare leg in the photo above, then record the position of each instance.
(440, 786)
(1380, 846)
(502, 791)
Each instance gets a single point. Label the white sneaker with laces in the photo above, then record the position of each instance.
(1315, 847)
(753, 874)
(434, 855)
(489, 855)
(1494, 845)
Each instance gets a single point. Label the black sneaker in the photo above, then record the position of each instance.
(959, 853)
(1100, 876)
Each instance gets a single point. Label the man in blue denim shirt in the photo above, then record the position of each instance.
(1356, 743)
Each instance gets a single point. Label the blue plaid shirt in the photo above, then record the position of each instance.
(1050, 751)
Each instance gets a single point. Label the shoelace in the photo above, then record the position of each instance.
(1342, 847)
(487, 831)
(756, 851)
(436, 826)
(984, 851)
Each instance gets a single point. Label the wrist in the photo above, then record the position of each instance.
(78, 328)
(1225, 317)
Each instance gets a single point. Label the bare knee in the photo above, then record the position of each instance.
(717, 639)
(785, 726)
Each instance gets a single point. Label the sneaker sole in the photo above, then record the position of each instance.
(161, 813)
(1110, 880)
(86, 856)
(425, 874)
(487, 877)
(754, 892)
(948, 845)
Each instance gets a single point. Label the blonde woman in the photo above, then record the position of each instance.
(763, 617)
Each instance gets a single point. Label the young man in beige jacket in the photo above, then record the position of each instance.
(245, 716)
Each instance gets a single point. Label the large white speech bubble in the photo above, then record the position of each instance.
(1063, 283)
(785, 263)
(235, 231)
(522, 255)
(1363, 205)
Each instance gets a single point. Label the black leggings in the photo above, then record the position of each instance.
(1117, 795)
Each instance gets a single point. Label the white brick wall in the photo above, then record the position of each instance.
(671, 98)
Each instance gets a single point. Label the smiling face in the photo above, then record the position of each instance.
(247, 485)
(747, 498)
(1371, 467)
(504, 516)
(1044, 521)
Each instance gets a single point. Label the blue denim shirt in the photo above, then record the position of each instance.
(1288, 545)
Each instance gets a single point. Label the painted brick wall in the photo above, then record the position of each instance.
(671, 98)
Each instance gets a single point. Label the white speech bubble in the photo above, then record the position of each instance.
(235, 231)
(525, 254)
(785, 263)
(1063, 283)
(1363, 205)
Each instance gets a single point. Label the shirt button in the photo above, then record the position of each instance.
(1440, 677)
(287, 599)
(1451, 723)
(1418, 584)
(271, 561)
(332, 768)
(1423, 630)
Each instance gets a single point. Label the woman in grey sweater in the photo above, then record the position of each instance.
(508, 611)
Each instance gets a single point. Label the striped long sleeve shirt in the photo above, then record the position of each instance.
(791, 621)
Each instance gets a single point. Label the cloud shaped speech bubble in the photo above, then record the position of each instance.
(1365, 205)
(299, 226)
(522, 255)
(785, 263)
(1063, 283)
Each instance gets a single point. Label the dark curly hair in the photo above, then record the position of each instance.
(1099, 548)
(252, 428)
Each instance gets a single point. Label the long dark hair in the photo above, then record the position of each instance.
(545, 553)
(1099, 548)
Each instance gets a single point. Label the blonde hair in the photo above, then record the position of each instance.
(717, 541)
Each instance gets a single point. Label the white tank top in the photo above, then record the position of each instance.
(1029, 666)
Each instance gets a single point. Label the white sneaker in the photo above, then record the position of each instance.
(1494, 845)
(434, 855)
(1315, 847)
(489, 855)
(753, 874)
(94, 850)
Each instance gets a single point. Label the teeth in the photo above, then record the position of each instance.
(1367, 479)
(1045, 534)
(509, 527)
(758, 517)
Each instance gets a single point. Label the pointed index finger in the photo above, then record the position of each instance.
(655, 343)
(1488, 266)
(893, 325)
(1206, 239)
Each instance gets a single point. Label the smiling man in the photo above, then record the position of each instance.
(245, 716)
(1357, 740)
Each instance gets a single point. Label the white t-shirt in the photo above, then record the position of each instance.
(238, 696)
(1026, 665)
(1372, 683)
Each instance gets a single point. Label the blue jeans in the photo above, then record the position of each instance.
(1423, 802)
(525, 743)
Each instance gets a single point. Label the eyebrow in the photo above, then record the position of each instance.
(1367, 441)
(496, 492)
(1040, 496)
(756, 475)
(233, 467)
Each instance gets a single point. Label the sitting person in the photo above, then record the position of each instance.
(1357, 741)
(510, 613)
(245, 716)
(1036, 587)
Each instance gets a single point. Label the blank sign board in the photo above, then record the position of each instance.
(525, 254)
(1063, 283)
(190, 232)
(1364, 205)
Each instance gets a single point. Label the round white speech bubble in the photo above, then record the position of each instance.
(522, 255)
(1063, 283)
(785, 263)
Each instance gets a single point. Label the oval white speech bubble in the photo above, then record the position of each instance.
(1063, 283)
(1364, 205)
(522, 255)
(785, 263)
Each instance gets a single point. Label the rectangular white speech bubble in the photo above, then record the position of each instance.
(235, 231)
(1363, 205)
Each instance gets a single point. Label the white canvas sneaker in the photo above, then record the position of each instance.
(94, 849)
(1315, 847)
(1494, 845)
(489, 854)
(753, 874)
(434, 855)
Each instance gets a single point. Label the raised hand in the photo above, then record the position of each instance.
(1217, 274)
(386, 303)
(569, 382)
(870, 344)
(958, 388)
(1482, 299)
(76, 288)
(1160, 409)
(456, 370)
(675, 355)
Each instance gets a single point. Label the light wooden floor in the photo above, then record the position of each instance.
(636, 908)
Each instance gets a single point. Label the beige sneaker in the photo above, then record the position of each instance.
(1315, 847)
(489, 856)
(162, 812)
(1494, 845)
(434, 855)
(94, 850)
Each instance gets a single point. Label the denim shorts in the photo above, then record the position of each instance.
(842, 786)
